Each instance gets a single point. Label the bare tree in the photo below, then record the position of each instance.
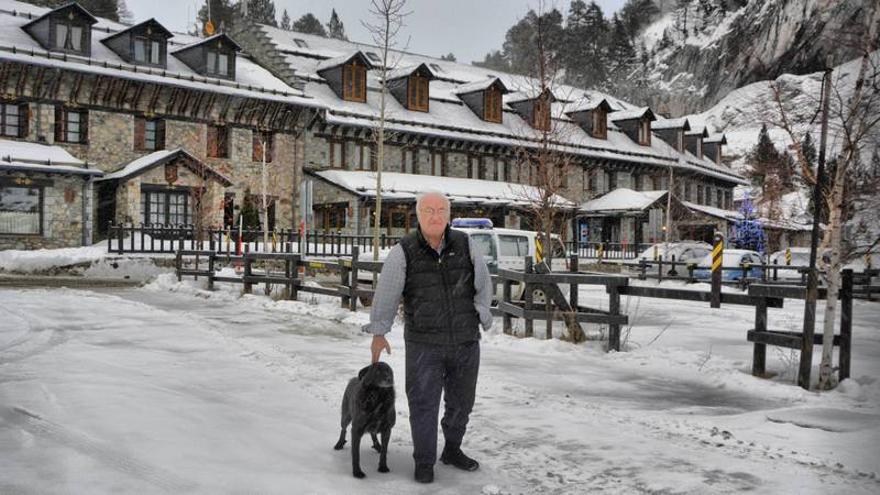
(389, 16)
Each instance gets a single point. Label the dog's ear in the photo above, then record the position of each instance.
(363, 372)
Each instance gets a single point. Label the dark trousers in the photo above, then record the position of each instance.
(430, 369)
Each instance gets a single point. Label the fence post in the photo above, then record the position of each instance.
(530, 328)
(355, 252)
(690, 267)
(505, 297)
(573, 288)
(119, 232)
(178, 262)
(643, 269)
(775, 270)
(660, 269)
(345, 273)
(247, 271)
(613, 310)
(211, 256)
(673, 272)
(846, 306)
(142, 236)
(292, 273)
(759, 353)
(717, 257)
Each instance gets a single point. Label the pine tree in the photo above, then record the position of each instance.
(586, 38)
(262, 12)
(309, 24)
(636, 14)
(285, 21)
(521, 39)
(621, 54)
(763, 158)
(494, 60)
(124, 14)
(809, 150)
(335, 28)
(450, 57)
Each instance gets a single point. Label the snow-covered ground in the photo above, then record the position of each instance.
(169, 388)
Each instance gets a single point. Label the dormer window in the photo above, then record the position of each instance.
(645, 132)
(142, 44)
(214, 56)
(147, 51)
(217, 64)
(69, 37)
(417, 98)
(65, 29)
(600, 123)
(354, 82)
(492, 108)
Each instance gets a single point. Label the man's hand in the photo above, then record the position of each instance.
(378, 344)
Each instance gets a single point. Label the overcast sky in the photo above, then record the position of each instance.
(467, 28)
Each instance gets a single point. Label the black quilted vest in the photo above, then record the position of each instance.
(438, 297)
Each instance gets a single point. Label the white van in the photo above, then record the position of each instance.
(501, 249)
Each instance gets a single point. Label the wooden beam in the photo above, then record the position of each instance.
(76, 87)
(22, 79)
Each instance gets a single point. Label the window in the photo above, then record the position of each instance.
(13, 119)
(645, 132)
(410, 163)
(149, 134)
(687, 191)
(610, 181)
(256, 200)
(637, 182)
(374, 57)
(541, 115)
(354, 81)
(727, 200)
(165, 207)
(364, 156)
(260, 137)
(600, 123)
(492, 103)
(417, 97)
(148, 51)
(69, 36)
(500, 170)
(218, 141)
(21, 210)
(300, 43)
(719, 201)
(513, 245)
(438, 164)
(71, 126)
(331, 216)
(484, 246)
(336, 158)
(218, 63)
(474, 167)
(656, 183)
(561, 175)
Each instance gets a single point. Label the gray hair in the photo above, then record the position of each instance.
(432, 193)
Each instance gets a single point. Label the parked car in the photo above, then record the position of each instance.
(734, 260)
(685, 251)
(501, 249)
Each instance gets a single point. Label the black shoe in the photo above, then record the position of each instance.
(424, 473)
(457, 458)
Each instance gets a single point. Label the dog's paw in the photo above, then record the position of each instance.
(339, 446)
(359, 474)
(377, 447)
(384, 469)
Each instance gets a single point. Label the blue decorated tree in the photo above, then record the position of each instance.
(749, 231)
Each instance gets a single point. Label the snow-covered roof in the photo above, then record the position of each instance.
(713, 211)
(481, 85)
(35, 157)
(330, 63)
(698, 130)
(622, 199)
(401, 186)
(663, 124)
(633, 114)
(201, 41)
(156, 158)
(586, 105)
(407, 71)
(527, 94)
(251, 80)
(716, 138)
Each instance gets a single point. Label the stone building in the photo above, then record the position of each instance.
(177, 124)
(448, 120)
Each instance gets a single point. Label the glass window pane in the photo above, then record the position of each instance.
(76, 33)
(222, 67)
(484, 246)
(507, 245)
(140, 50)
(155, 52)
(19, 210)
(60, 35)
(212, 62)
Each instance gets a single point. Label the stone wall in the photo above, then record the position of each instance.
(63, 221)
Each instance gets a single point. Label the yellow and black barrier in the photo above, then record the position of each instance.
(717, 257)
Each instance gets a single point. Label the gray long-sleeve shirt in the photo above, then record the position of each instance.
(389, 290)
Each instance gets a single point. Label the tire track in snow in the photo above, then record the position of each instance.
(82, 443)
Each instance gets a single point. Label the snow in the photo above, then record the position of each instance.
(22, 151)
(143, 163)
(474, 86)
(654, 32)
(628, 114)
(459, 190)
(622, 199)
(44, 259)
(679, 123)
(173, 388)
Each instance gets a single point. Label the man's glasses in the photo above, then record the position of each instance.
(431, 212)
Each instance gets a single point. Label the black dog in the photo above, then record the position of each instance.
(368, 404)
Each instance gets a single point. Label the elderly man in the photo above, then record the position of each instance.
(446, 291)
